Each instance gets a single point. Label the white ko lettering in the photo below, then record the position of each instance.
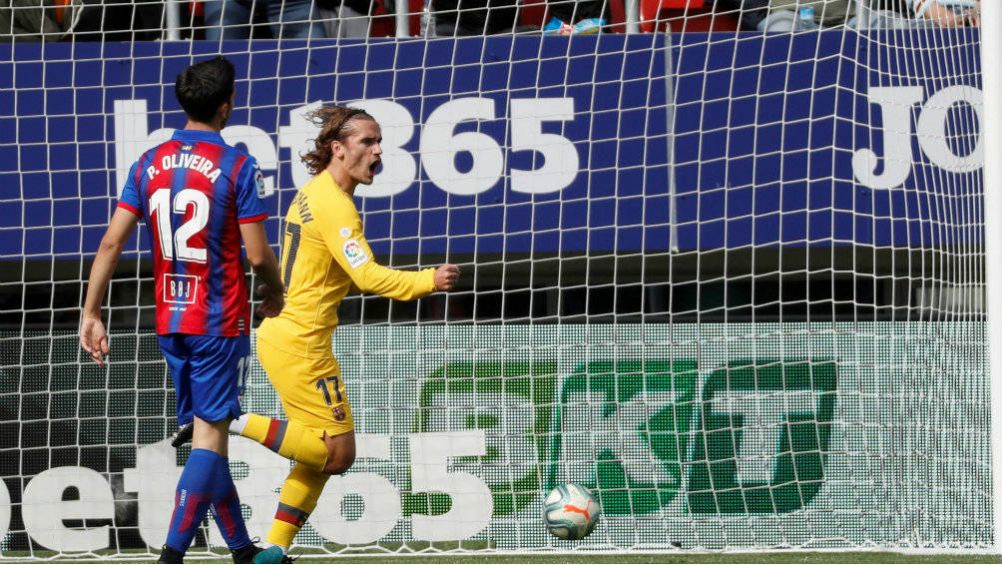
(897, 104)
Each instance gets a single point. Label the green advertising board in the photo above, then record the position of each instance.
(702, 435)
(705, 436)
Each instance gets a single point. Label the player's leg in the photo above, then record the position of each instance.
(296, 501)
(215, 380)
(299, 496)
(300, 493)
(194, 487)
(314, 398)
(294, 438)
(289, 439)
(315, 403)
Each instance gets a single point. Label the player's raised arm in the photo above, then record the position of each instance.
(93, 336)
(352, 252)
(350, 154)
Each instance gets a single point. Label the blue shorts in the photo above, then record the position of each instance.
(208, 373)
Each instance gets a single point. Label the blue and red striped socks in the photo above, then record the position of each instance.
(226, 507)
(193, 497)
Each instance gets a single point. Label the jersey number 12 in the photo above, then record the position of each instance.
(178, 241)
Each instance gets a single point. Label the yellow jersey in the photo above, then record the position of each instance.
(324, 255)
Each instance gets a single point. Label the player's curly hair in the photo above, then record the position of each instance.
(335, 125)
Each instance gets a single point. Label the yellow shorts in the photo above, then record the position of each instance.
(312, 391)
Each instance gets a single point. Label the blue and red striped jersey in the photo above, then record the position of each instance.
(194, 191)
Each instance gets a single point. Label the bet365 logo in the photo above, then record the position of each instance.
(750, 437)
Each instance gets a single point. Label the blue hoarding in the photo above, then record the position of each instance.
(535, 145)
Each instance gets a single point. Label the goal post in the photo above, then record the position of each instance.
(991, 131)
(738, 284)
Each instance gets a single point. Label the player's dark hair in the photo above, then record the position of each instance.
(335, 124)
(203, 87)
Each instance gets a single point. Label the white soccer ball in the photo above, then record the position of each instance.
(571, 512)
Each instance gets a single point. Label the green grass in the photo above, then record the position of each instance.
(773, 557)
(492, 558)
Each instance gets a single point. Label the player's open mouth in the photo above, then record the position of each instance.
(373, 167)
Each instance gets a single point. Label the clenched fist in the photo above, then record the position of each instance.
(446, 277)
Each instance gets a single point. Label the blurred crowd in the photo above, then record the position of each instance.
(125, 20)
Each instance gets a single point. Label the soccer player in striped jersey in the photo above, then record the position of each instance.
(324, 256)
(199, 198)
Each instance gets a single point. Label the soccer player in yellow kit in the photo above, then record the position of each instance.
(324, 255)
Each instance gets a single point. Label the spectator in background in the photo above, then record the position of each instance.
(949, 13)
(749, 13)
(32, 20)
(576, 16)
(905, 14)
(87, 20)
(784, 15)
(347, 19)
(121, 20)
(474, 17)
(288, 19)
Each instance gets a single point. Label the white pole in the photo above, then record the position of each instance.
(991, 130)
(632, 16)
(400, 13)
(173, 8)
(670, 114)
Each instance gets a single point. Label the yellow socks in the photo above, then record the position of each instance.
(305, 482)
(288, 439)
(299, 497)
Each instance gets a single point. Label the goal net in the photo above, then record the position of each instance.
(730, 281)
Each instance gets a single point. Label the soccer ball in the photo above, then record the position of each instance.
(570, 512)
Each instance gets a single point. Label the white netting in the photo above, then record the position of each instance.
(731, 281)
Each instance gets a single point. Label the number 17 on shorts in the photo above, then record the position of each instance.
(330, 387)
